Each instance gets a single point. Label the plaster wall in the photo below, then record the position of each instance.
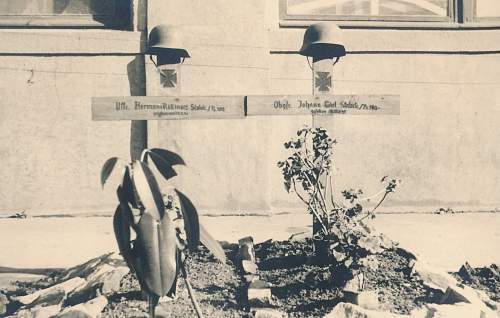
(444, 145)
(51, 151)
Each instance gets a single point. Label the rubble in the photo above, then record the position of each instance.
(76, 292)
(3, 304)
(66, 287)
(89, 309)
(38, 312)
(347, 310)
(249, 267)
(452, 311)
(267, 313)
(432, 277)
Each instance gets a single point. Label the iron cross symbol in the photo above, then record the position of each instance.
(323, 81)
(168, 78)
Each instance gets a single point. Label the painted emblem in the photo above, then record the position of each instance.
(323, 81)
(168, 78)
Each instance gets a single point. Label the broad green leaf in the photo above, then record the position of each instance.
(168, 253)
(191, 222)
(158, 254)
(162, 165)
(171, 157)
(121, 226)
(128, 192)
(107, 168)
(148, 190)
(212, 245)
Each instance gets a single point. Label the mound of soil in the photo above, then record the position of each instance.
(217, 287)
(299, 287)
(303, 289)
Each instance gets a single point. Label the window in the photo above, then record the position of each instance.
(487, 9)
(65, 13)
(391, 10)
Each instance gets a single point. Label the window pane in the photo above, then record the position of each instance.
(56, 7)
(435, 8)
(487, 8)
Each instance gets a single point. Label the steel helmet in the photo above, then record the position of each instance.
(324, 40)
(166, 38)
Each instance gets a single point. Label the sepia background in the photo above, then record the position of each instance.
(443, 62)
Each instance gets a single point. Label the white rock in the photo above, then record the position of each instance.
(433, 277)
(346, 310)
(368, 300)
(364, 299)
(249, 267)
(90, 309)
(67, 286)
(250, 278)
(38, 312)
(465, 294)
(460, 310)
(104, 280)
(259, 296)
(267, 313)
(355, 284)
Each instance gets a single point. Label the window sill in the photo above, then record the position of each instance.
(393, 41)
(414, 25)
(69, 42)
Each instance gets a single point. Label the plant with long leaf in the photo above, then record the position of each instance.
(155, 227)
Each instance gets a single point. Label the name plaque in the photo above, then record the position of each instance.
(323, 105)
(167, 107)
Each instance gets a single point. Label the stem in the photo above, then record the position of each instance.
(325, 229)
(191, 292)
(331, 193)
(373, 196)
(152, 302)
(376, 206)
(298, 194)
(143, 155)
(380, 202)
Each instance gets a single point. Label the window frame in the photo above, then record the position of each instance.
(123, 8)
(461, 15)
(471, 15)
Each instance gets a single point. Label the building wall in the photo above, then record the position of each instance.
(444, 145)
(51, 151)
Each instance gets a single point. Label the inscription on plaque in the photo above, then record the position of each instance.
(214, 107)
(323, 105)
(148, 108)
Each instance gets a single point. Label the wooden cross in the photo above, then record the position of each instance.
(139, 109)
(230, 107)
(173, 106)
(176, 107)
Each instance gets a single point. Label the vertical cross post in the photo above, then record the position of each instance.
(137, 78)
(322, 73)
(322, 42)
(169, 67)
(322, 70)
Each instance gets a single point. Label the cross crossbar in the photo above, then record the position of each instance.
(228, 107)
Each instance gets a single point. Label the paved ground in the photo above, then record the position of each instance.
(445, 240)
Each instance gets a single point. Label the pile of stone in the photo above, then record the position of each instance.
(457, 299)
(80, 291)
(258, 291)
(83, 291)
